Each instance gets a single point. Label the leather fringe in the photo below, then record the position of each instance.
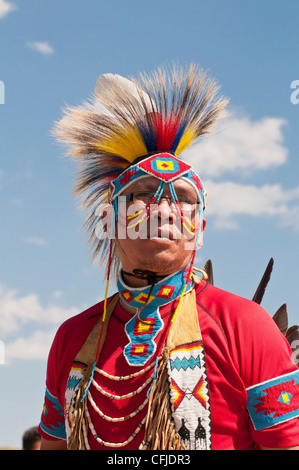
(76, 440)
(159, 427)
(86, 355)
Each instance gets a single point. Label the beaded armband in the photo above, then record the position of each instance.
(274, 401)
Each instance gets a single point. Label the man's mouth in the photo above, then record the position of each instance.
(165, 233)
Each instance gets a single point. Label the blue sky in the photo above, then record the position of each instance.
(51, 55)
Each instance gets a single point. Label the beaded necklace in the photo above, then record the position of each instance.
(140, 335)
(120, 419)
(144, 327)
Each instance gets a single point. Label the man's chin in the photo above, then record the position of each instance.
(162, 260)
(171, 242)
(161, 241)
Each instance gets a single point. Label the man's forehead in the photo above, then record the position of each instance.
(150, 182)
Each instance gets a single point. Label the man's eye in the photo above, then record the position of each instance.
(185, 199)
(144, 195)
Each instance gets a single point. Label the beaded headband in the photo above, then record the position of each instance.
(163, 166)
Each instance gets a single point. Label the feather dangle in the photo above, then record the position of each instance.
(291, 333)
(261, 289)
(208, 268)
(281, 315)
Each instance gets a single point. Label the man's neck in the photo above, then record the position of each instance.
(127, 307)
(141, 278)
(133, 281)
(135, 286)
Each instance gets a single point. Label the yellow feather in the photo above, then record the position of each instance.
(187, 138)
(128, 144)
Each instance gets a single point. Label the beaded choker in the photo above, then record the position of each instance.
(144, 327)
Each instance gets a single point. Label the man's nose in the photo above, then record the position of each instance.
(167, 198)
(165, 208)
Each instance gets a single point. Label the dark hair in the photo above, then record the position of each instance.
(30, 437)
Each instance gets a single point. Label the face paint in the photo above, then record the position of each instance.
(138, 205)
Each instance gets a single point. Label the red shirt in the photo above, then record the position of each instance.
(243, 348)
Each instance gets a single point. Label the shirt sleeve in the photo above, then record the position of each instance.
(68, 340)
(52, 423)
(271, 379)
(273, 407)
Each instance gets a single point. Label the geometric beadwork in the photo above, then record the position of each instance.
(199, 392)
(189, 395)
(127, 295)
(177, 393)
(75, 376)
(52, 408)
(274, 401)
(142, 334)
(141, 328)
(285, 398)
(143, 297)
(139, 349)
(165, 166)
(165, 292)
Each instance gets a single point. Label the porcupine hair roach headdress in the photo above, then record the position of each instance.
(127, 121)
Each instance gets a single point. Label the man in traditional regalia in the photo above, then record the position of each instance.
(170, 361)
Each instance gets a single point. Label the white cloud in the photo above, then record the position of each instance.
(6, 7)
(36, 241)
(227, 200)
(243, 147)
(240, 145)
(57, 294)
(36, 346)
(18, 313)
(15, 311)
(42, 47)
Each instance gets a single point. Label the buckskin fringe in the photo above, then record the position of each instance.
(76, 439)
(159, 427)
(160, 433)
(88, 354)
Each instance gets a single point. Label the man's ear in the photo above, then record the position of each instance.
(200, 238)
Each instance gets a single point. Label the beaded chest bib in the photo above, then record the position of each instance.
(141, 335)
